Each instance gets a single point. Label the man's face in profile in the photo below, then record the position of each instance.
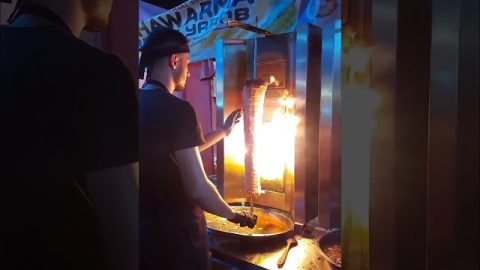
(181, 73)
(97, 14)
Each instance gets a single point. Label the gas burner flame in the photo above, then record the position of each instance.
(272, 79)
(275, 142)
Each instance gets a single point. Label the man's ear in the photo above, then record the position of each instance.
(172, 61)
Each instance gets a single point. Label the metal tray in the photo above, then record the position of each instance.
(328, 240)
(270, 224)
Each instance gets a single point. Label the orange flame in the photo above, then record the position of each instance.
(276, 143)
(272, 79)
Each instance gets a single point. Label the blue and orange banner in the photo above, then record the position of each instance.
(202, 21)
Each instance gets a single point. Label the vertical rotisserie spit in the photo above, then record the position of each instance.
(253, 100)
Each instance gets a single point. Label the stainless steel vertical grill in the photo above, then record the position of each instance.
(294, 60)
(298, 162)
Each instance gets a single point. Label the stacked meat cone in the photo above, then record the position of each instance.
(253, 100)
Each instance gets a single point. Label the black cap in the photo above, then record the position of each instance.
(161, 42)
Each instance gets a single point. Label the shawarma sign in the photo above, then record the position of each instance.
(201, 21)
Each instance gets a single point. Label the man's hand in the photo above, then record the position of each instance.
(232, 119)
(244, 218)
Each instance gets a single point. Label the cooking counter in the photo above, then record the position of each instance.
(265, 254)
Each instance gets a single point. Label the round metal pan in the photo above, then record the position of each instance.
(270, 224)
(329, 240)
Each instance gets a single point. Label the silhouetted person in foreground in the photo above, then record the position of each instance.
(68, 143)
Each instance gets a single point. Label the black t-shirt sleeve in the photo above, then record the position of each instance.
(111, 130)
(188, 132)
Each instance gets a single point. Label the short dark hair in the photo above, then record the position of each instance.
(161, 42)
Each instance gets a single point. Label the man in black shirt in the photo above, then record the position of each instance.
(68, 143)
(174, 189)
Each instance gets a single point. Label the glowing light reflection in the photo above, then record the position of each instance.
(275, 143)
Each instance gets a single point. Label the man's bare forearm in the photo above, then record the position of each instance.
(197, 184)
(211, 201)
(212, 138)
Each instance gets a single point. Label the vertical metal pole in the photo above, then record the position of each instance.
(254, 77)
(219, 94)
(255, 50)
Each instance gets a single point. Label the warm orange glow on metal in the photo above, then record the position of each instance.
(357, 89)
(296, 255)
(356, 179)
(270, 223)
(276, 143)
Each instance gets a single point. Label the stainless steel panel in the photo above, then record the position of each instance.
(453, 146)
(301, 58)
(368, 136)
(380, 247)
(467, 198)
(406, 183)
(443, 120)
(423, 170)
(329, 133)
(231, 72)
(307, 87)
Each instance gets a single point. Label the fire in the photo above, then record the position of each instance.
(276, 143)
(272, 79)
